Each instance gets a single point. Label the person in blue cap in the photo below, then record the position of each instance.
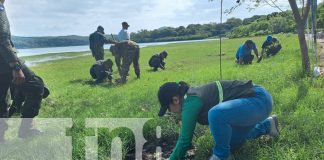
(235, 111)
(243, 54)
(270, 46)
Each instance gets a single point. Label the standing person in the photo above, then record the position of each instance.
(243, 54)
(157, 61)
(97, 41)
(123, 34)
(235, 111)
(12, 70)
(126, 53)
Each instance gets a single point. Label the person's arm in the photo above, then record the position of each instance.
(189, 115)
(255, 50)
(239, 55)
(7, 52)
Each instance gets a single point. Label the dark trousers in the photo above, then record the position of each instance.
(127, 60)
(98, 54)
(5, 81)
(248, 59)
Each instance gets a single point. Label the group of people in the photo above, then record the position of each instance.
(235, 110)
(21, 90)
(270, 47)
(125, 52)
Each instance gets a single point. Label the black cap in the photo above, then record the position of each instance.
(166, 92)
(125, 24)
(100, 29)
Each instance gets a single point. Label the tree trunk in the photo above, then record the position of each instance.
(303, 48)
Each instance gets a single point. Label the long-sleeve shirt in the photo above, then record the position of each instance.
(7, 51)
(191, 108)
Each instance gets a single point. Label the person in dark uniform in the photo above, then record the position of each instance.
(102, 70)
(270, 47)
(157, 61)
(126, 53)
(12, 70)
(234, 110)
(25, 97)
(97, 41)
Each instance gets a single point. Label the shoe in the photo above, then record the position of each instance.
(27, 133)
(259, 59)
(120, 81)
(274, 124)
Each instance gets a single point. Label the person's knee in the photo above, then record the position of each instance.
(215, 115)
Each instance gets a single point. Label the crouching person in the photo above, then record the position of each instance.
(157, 61)
(102, 70)
(27, 98)
(235, 111)
(243, 54)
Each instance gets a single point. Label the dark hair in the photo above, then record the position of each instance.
(183, 88)
(249, 44)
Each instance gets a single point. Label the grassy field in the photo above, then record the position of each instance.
(298, 100)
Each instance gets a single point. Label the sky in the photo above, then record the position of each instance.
(81, 17)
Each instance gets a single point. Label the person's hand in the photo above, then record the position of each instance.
(18, 77)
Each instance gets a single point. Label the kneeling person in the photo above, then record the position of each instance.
(102, 70)
(157, 61)
(243, 54)
(27, 98)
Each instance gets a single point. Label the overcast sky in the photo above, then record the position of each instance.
(81, 17)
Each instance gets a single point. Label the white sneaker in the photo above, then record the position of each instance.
(274, 123)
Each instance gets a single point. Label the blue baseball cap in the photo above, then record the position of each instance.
(269, 38)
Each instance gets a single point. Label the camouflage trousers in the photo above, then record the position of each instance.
(127, 53)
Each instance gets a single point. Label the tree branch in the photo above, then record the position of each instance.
(306, 12)
(295, 10)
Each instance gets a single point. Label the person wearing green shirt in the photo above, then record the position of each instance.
(235, 111)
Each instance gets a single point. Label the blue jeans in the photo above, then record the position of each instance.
(235, 121)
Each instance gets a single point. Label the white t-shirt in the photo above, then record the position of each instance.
(123, 35)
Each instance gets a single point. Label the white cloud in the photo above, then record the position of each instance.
(81, 17)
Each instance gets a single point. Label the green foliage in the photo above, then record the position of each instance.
(320, 16)
(262, 25)
(297, 100)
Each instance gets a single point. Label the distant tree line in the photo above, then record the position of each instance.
(273, 23)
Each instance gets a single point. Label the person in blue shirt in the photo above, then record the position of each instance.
(243, 54)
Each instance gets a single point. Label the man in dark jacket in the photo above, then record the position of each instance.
(126, 53)
(102, 70)
(12, 70)
(97, 41)
(157, 61)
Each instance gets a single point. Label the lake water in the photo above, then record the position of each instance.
(40, 51)
(51, 56)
